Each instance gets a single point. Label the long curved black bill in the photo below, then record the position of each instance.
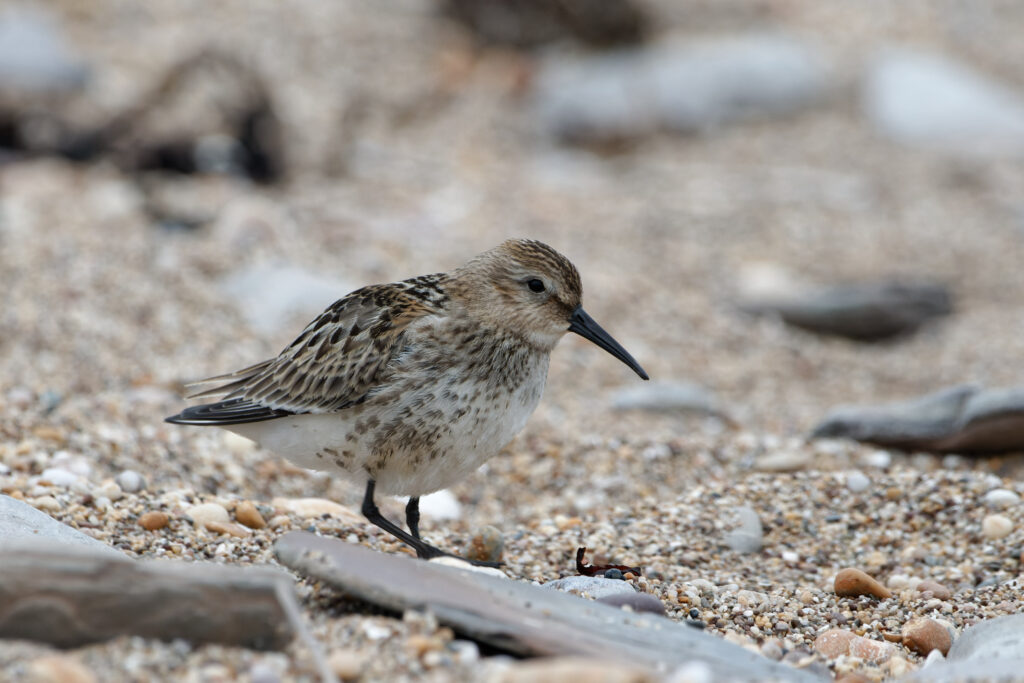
(585, 326)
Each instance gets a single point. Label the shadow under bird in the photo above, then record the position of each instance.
(410, 386)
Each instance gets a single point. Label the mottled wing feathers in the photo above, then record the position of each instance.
(332, 364)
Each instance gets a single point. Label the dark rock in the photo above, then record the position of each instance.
(963, 419)
(72, 596)
(528, 23)
(865, 312)
(518, 617)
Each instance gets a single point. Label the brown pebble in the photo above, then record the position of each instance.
(418, 644)
(923, 635)
(935, 588)
(247, 514)
(834, 642)
(151, 521)
(853, 582)
(229, 528)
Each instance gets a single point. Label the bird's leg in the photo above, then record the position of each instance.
(412, 516)
(424, 550)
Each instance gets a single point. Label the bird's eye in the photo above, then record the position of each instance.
(535, 285)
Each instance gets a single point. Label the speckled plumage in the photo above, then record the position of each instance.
(412, 385)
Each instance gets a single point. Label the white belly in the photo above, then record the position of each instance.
(442, 441)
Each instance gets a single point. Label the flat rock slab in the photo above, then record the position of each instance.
(961, 419)
(21, 523)
(863, 312)
(72, 596)
(519, 617)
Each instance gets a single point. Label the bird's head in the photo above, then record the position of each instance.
(528, 289)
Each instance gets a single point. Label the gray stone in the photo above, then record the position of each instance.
(130, 481)
(865, 312)
(638, 602)
(21, 523)
(72, 596)
(748, 537)
(683, 397)
(930, 101)
(518, 617)
(593, 586)
(992, 649)
(689, 87)
(962, 419)
(34, 55)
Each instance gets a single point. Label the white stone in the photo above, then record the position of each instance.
(316, 507)
(857, 481)
(749, 535)
(130, 481)
(996, 526)
(271, 295)
(591, 586)
(1001, 498)
(204, 513)
(57, 476)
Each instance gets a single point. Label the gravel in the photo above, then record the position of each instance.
(108, 314)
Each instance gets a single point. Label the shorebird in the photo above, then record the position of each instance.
(410, 386)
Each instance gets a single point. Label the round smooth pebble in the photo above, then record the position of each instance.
(58, 476)
(853, 582)
(347, 664)
(247, 514)
(316, 507)
(935, 588)
(873, 651)
(59, 669)
(229, 528)
(995, 527)
(154, 520)
(203, 514)
(1001, 498)
(857, 481)
(130, 481)
(834, 642)
(923, 635)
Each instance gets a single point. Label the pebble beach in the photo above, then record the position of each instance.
(409, 150)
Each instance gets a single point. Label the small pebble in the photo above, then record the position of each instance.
(487, 545)
(316, 507)
(1001, 498)
(347, 664)
(110, 490)
(923, 635)
(857, 481)
(130, 481)
(229, 528)
(853, 582)
(46, 503)
(995, 527)
(834, 642)
(56, 476)
(935, 588)
(203, 514)
(613, 574)
(247, 514)
(873, 651)
(154, 520)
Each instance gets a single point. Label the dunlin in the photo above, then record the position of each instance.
(408, 387)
